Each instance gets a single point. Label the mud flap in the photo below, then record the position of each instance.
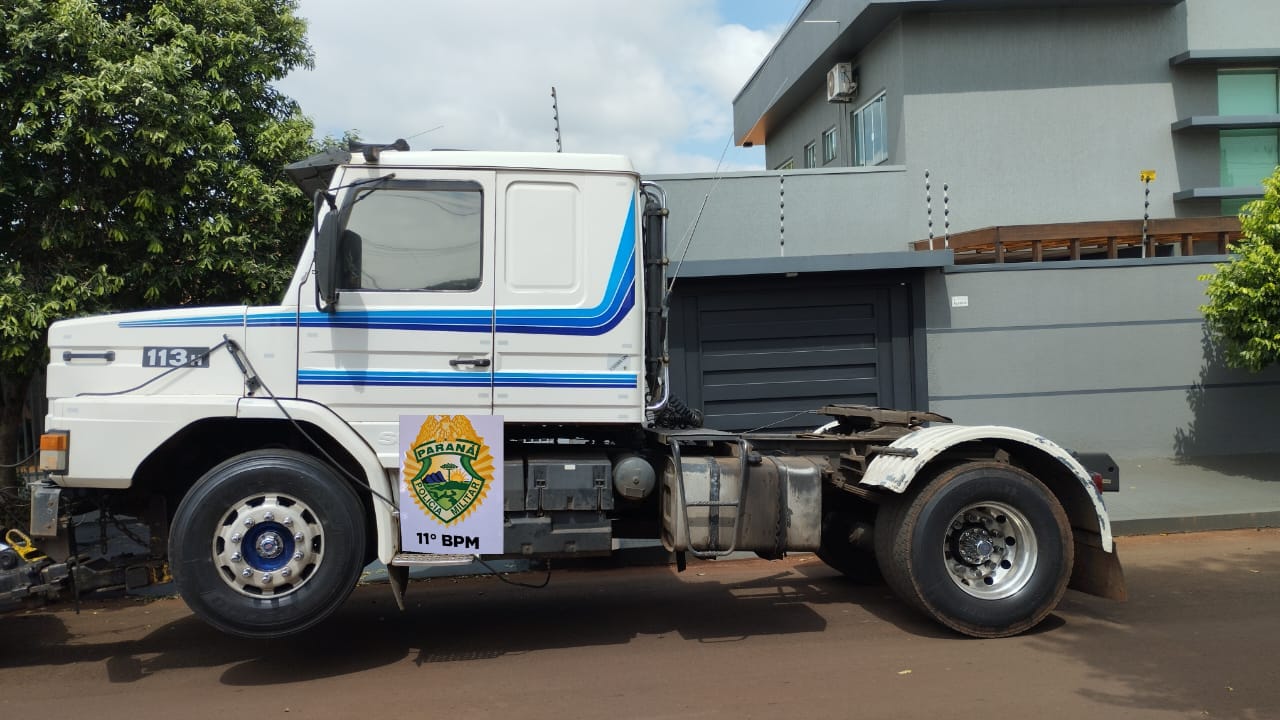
(1096, 571)
(398, 577)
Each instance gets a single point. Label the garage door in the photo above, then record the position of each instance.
(756, 353)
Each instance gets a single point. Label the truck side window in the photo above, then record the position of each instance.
(405, 238)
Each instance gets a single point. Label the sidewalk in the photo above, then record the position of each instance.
(1159, 495)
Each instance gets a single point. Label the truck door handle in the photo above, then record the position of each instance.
(109, 356)
(474, 362)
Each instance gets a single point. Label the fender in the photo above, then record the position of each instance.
(111, 436)
(895, 472)
(386, 518)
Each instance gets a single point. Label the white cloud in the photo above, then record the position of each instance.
(654, 81)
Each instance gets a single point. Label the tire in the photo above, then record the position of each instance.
(984, 548)
(285, 518)
(856, 561)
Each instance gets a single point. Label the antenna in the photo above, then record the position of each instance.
(687, 239)
(555, 109)
(424, 132)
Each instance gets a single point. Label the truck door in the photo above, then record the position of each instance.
(412, 331)
(569, 336)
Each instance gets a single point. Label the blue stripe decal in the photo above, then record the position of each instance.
(236, 320)
(614, 306)
(416, 378)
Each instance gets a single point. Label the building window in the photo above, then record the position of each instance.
(1248, 156)
(829, 146)
(788, 164)
(870, 136)
(1234, 206)
(811, 155)
(1248, 92)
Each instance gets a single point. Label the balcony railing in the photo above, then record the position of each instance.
(1086, 240)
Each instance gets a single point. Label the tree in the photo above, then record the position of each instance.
(141, 148)
(1243, 314)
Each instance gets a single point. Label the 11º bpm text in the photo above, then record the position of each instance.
(449, 541)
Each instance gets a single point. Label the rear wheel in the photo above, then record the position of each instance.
(267, 544)
(984, 548)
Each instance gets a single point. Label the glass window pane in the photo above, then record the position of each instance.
(879, 148)
(829, 145)
(855, 138)
(864, 137)
(1248, 93)
(1234, 205)
(401, 239)
(1248, 156)
(810, 155)
(870, 136)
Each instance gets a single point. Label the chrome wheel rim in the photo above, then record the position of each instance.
(268, 545)
(990, 550)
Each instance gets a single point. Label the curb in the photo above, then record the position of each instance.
(1195, 523)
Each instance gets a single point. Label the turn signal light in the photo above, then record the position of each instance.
(1097, 480)
(53, 451)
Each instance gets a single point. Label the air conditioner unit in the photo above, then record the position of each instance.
(842, 85)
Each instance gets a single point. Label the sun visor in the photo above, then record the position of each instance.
(315, 172)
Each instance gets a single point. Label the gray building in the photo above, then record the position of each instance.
(1032, 111)
(799, 283)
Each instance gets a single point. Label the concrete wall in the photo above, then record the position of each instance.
(1098, 355)
(791, 213)
(1044, 116)
(1228, 24)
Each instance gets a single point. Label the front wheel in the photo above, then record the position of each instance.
(984, 548)
(267, 544)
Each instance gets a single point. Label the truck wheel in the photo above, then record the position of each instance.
(267, 544)
(984, 548)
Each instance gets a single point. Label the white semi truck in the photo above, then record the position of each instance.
(262, 443)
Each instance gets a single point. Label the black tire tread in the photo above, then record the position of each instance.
(248, 470)
(895, 525)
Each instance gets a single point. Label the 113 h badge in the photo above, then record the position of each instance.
(451, 484)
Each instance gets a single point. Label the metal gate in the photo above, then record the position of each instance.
(768, 352)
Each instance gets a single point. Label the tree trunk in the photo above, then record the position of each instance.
(13, 400)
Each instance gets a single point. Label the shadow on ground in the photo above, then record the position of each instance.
(1197, 638)
(460, 619)
(1257, 466)
(1190, 639)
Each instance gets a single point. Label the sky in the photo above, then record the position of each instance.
(652, 80)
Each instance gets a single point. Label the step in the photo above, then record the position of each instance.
(430, 559)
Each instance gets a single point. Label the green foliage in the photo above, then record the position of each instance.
(1243, 314)
(141, 156)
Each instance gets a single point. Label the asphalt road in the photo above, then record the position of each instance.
(1198, 639)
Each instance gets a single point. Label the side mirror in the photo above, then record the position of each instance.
(327, 263)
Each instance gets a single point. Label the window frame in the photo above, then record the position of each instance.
(356, 194)
(1273, 72)
(811, 154)
(1233, 138)
(877, 105)
(830, 150)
